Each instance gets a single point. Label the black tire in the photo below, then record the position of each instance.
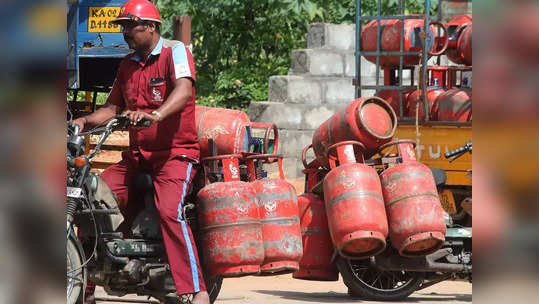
(75, 274)
(370, 283)
(213, 285)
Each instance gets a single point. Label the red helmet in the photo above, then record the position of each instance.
(136, 10)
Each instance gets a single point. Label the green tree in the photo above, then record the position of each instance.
(238, 44)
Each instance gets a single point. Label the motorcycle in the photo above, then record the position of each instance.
(389, 276)
(97, 250)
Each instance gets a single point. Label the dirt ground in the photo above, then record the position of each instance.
(284, 289)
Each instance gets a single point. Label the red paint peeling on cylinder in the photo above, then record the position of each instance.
(226, 127)
(454, 105)
(459, 49)
(392, 97)
(316, 262)
(415, 215)
(370, 121)
(355, 209)
(413, 102)
(231, 230)
(390, 36)
(281, 232)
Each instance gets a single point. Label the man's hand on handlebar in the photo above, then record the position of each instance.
(81, 121)
(136, 116)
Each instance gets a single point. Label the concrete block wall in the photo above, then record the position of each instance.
(318, 83)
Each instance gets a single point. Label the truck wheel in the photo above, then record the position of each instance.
(367, 282)
(75, 274)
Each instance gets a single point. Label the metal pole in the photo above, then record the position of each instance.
(358, 47)
(401, 12)
(378, 41)
(426, 27)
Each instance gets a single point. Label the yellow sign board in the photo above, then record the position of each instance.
(99, 20)
(434, 141)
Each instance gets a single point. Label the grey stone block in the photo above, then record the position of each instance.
(292, 168)
(332, 36)
(292, 142)
(275, 112)
(339, 91)
(291, 116)
(294, 89)
(317, 62)
(367, 68)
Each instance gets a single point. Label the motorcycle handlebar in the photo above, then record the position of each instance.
(461, 150)
(117, 123)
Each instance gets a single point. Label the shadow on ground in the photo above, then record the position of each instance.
(318, 297)
(335, 297)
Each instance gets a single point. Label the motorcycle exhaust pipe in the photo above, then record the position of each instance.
(419, 264)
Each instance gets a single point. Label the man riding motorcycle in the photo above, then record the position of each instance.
(156, 83)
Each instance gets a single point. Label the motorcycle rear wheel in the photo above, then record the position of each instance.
(367, 282)
(75, 274)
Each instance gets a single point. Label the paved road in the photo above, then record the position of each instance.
(285, 290)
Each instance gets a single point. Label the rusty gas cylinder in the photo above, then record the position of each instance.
(230, 228)
(281, 232)
(355, 207)
(415, 215)
(392, 97)
(227, 128)
(316, 263)
(459, 49)
(464, 45)
(454, 105)
(370, 121)
(414, 103)
(390, 38)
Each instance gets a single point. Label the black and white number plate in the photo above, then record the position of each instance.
(74, 192)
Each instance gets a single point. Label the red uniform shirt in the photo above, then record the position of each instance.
(144, 86)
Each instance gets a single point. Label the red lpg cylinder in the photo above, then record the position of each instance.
(459, 49)
(231, 230)
(390, 37)
(355, 207)
(464, 45)
(415, 103)
(371, 121)
(454, 105)
(227, 128)
(392, 97)
(281, 232)
(415, 215)
(316, 262)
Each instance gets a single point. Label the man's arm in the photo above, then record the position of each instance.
(101, 115)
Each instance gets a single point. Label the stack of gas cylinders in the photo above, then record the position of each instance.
(249, 223)
(449, 93)
(358, 196)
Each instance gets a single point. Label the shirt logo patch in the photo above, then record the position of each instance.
(156, 94)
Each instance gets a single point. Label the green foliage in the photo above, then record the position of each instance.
(250, 40)
(81, 96)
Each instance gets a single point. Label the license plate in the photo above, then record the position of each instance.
(99, 20)
(74, 192)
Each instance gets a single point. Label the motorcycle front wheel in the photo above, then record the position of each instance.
(213, 285)
(75, 274)
(367, 282)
